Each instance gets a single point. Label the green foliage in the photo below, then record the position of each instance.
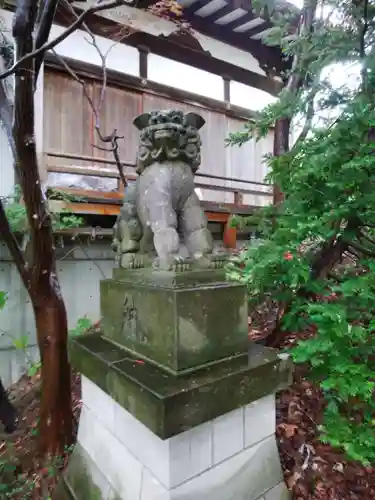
(83, 324)
(16, 212)
(328, 215)
(3, 299)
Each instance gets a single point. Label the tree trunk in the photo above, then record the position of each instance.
(56, 406)
(42, 282)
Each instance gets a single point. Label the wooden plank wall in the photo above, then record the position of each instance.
(69, 128)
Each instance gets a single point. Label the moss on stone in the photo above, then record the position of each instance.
(78, 477)
(175, 320)
(169, 404)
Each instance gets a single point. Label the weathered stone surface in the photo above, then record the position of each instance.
(162, 204)
(170, 279)
(82, 479)
(244, 476)
(176, 326)
(136, 464)
(279, 492)
(169, 405)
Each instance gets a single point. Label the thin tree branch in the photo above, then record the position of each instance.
(46, 15)
(362, 46)
(99, 7)
(13, 246)
(362, 250)
(298, 70)
(310, 111)
(112, 138)
(366, 237)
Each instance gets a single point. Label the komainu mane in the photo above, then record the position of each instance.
(162, 204)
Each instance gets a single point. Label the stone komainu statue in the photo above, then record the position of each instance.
(162, 204)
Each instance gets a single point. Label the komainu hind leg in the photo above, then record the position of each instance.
(128, 234)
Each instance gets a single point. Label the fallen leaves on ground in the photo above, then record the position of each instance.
(313, 470)
(31, 477)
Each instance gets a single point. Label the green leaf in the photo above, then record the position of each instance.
(83, 324)
(3, 299)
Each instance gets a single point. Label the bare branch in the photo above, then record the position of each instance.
(99, 7)
(46, 15)
(112, 138)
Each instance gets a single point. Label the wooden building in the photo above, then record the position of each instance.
(219, 68)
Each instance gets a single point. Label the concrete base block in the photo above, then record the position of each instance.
(233, 457)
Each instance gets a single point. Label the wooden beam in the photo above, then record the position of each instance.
(227, 9)
(143, 62)
(112, 209)
(241, 4)
(226, 209)
(231, 6)
(90, 195)
(121, 80)
(226, 189)
(258, 29)
(271, 57)
(226, 84)
(217, 216)
(164, 47)
(84, 208)
(65, 169)
(236, 23)
(144, 4)
(114, 173)
(90, 159)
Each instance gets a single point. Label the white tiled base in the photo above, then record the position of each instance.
(233, 457)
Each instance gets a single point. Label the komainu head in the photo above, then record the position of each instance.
(169, 135)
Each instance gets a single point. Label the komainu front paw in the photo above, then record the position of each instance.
(181, 266)
(134, 261)
(212, 261)
(175, 263)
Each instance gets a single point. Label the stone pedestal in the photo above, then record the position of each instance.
(175, 405)
(177, 321)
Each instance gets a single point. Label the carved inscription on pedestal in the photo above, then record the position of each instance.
(130, 324)
(130, 319)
